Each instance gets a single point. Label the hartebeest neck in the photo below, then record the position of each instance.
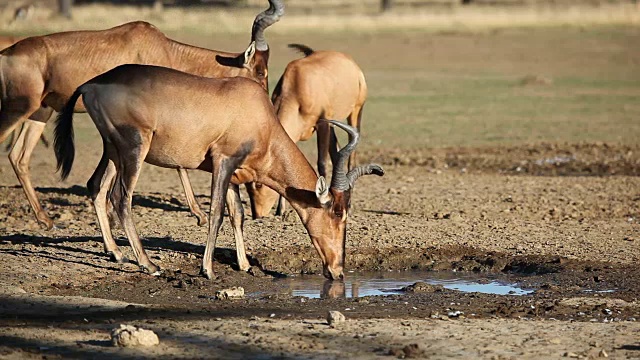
(202, 62)
(290, 174)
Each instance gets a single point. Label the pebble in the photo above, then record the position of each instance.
(603, 353)
(129, 335)
(335, 317)
(235, 292)
(256, 271)
(422, 287)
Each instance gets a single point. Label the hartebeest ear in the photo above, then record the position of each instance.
(322, 191)
(249, 53)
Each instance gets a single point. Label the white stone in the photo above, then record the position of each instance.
(129, 335)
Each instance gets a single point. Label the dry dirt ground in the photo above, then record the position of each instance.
(566, 237)
(560, 219)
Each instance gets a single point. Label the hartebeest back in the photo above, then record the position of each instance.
(39, 74)
(149, 113)
(321, 85)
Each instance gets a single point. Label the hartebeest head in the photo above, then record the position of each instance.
(327, 224)
(256, 57)
(254, 61)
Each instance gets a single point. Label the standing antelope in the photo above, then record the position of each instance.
(321, 85)
(39, 74)
(149, 113)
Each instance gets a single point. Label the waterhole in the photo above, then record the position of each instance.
(389, 283)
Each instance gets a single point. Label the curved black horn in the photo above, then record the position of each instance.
(263, 21)
(339, 180)
(355, 173)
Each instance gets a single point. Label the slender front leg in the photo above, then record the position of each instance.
(191, 198)
(236, 215)
(281, 207)
(20, 157)
(222, 171)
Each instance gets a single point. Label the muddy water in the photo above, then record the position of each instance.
(358, 284)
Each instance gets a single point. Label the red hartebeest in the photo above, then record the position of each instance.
(321, 85)
(149, 113)
(39, 74)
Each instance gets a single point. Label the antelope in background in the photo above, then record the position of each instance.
(321, 85)
(39, 74)
(232, 132)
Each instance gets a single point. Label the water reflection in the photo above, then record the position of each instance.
(333, 289)
(387, 283)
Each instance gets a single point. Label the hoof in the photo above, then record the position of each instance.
(151, 269)
(45, 222)
(244, 267)
(118, 258)
(207, 273)
(202, 219)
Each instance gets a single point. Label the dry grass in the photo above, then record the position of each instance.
(216, 20)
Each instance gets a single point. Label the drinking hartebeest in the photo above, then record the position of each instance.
(149, 113)
(39, 74)
(321, 85)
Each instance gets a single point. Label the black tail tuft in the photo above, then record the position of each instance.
(63, 141)
(302, 48)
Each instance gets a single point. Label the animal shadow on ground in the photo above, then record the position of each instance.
(386, 212)
(45, 243)
(635, 347)
(82, 256)
(153, 200)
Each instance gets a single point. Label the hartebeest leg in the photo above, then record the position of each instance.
(20, 157)
(281, 206)
(220, 176)
(191, 198)
(236, 215)
(42, 115)
(94, 185)
(128, 167)
(99, 187)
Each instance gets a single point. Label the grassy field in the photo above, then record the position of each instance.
(461, 85)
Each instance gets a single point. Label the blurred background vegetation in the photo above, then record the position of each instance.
(441, 73)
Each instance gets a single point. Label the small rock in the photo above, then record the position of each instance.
(335, 317)
(571, 355)
(128, 336)
(256, 271)
(421, 287)
(235, 292)
(412, 351)
(603, 354)
(408, 352)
